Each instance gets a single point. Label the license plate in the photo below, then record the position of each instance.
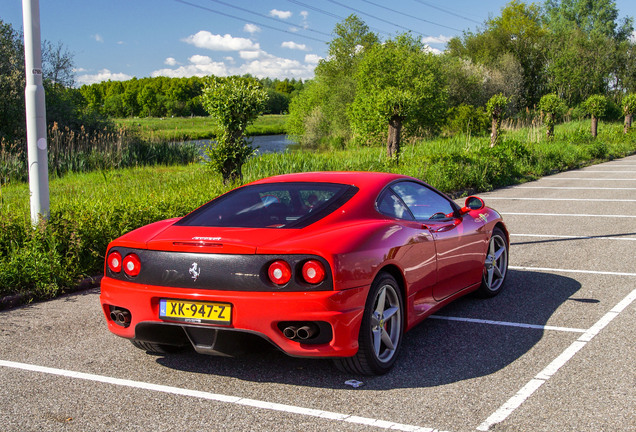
(195, 312)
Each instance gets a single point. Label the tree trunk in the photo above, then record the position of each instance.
(393, 140)
(549, 120)
(628, 122)
(594, 126)
(494, 134)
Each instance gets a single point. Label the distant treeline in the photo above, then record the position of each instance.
(166, 97)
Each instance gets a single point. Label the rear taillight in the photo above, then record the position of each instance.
(313, 272)
(114, 262)
(132, 265)
(279, 272)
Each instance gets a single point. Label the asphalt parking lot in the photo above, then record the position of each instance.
(553, 352)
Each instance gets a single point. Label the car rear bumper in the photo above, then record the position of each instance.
(260, 313)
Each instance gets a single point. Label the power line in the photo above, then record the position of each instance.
(447, 11)
(375, 17)
(410, 16)
(268, 17)
(330, 14)
(243, 19)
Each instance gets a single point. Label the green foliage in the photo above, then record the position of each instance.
(234, 102)
(496, 106)
(467, 119)
(318, 115)
(629, 104)
(552, 107)
(398, 80)
(596, 105)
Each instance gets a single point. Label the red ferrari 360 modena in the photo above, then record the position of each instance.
(327, 264)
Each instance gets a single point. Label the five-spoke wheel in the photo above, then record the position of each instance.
(381, 330)
(495, 264)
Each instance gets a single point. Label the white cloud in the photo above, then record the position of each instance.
(304, 14)
(170, 61)
(430, 49)
(98, 37)
(207, 40)
(276, 67)
(280, 14)
(251, 28)
(199, 66)
(632, 38)
(441, 39)
(294, 46)
(102, 75)
(250, 55)
(312, 59)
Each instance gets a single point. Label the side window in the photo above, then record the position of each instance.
(424, 203)
(390, 205)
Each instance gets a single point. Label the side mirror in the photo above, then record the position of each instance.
(473, 203)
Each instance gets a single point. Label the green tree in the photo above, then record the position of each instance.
(400, 90)
(234, 103)
(552, 108)
(496, 109)
(598, 17)
(12, 82)
(629, 108)
(518, 32)
(320, 110)
(595, 105)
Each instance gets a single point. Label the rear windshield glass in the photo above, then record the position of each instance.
(273, 205)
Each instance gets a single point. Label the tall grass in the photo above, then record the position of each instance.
(88, 210)
(83, 151)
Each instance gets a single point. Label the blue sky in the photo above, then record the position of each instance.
(119, 39)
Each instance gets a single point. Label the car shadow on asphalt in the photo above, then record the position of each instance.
(436, 352)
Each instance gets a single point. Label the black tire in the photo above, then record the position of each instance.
(381, 330)
(156, 348)
(495, 265)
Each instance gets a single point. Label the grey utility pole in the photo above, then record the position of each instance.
(35, 112)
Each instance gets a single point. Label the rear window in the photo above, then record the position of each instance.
(272, 205)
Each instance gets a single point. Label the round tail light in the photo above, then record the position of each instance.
(132, 265)
(313, 272)
(279, 272)
(114, 262)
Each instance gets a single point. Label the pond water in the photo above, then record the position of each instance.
(265, 143)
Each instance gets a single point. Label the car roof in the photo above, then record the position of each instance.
(361, 179)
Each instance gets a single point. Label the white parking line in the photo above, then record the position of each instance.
(508, 324)
(555, 270)
(567, 215)
(571, 237)
(488, 198)
(328, 415)
(574, 188)
(526, 391)
(587, 178)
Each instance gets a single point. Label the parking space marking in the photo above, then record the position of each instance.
(553, 270)
(508, 324)
(328, 415)
(560, 199)
(588, 178)
(574, 188)
(542, 377)
(573, 237)
(568, 214)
